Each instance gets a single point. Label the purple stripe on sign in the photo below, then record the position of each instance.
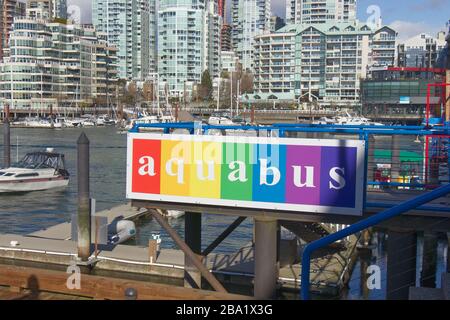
(303, 172)
(338, 177)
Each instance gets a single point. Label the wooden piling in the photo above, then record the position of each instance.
(252, 115)
(152, 250)
(192, 236)
(84, 214)
(266, 265)
(52, 121)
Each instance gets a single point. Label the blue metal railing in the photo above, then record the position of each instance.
(363, 132)
(359, 226)
(348, 129)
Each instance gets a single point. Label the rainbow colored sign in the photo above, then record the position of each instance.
(250, 172)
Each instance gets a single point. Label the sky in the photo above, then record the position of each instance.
(407, 17)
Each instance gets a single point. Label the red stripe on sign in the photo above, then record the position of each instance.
(146, 166)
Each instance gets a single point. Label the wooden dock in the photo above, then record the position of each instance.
(51, 248)
(62, 231)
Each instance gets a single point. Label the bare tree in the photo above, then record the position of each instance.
(147, 91)
(246, 82)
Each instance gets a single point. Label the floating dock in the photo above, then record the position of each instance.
(52, 248)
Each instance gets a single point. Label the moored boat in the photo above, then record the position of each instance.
(37, 171)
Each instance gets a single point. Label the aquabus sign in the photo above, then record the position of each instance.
(250, 172)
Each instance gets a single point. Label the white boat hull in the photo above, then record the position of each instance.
(33, 185)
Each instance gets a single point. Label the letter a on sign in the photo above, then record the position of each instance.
(146, 171)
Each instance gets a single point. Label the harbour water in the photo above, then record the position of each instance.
(28, 212)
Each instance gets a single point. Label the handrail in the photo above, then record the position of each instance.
(380, 130)
(359, 226)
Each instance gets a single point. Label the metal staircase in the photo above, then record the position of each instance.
(312, 231)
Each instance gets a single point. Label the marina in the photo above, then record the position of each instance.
(49, 244)
(244, 152)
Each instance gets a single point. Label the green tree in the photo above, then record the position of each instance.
(206, 86)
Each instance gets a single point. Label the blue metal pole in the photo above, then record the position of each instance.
(366, 167)
(359, 226)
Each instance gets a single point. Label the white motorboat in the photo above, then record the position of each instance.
(58, 123)
(142, 120)
(325, 120)
(355, 120)
(149, 119)
(39, 170)
(104, 120)
(221, 120)
(349, 120)
(73, 122)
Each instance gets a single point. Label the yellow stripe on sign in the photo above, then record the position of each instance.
(176, 157)
(205, 170)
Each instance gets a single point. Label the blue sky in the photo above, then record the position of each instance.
(408, 17)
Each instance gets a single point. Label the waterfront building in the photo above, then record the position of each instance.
(320, 11)
(322, 62)
(421, 50)
(54, 64)
(188, 43)
(9, 10)
(130, 26)
(274, 66)
(225, 40)
(394, 93)
(250, 18)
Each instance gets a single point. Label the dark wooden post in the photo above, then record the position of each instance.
(266, 265)
(84, 212)
(193, 238)
(52, 122)
(252, 115)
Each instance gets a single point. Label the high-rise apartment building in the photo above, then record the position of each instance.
(47, 9)
(9, 10)
(213, 28)
(320, 11)
(322, 62)
(54, 64)
(225, 40)
(188, 43)
(128, 25)
(276, 23)
(249, 19)
(421, 50)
